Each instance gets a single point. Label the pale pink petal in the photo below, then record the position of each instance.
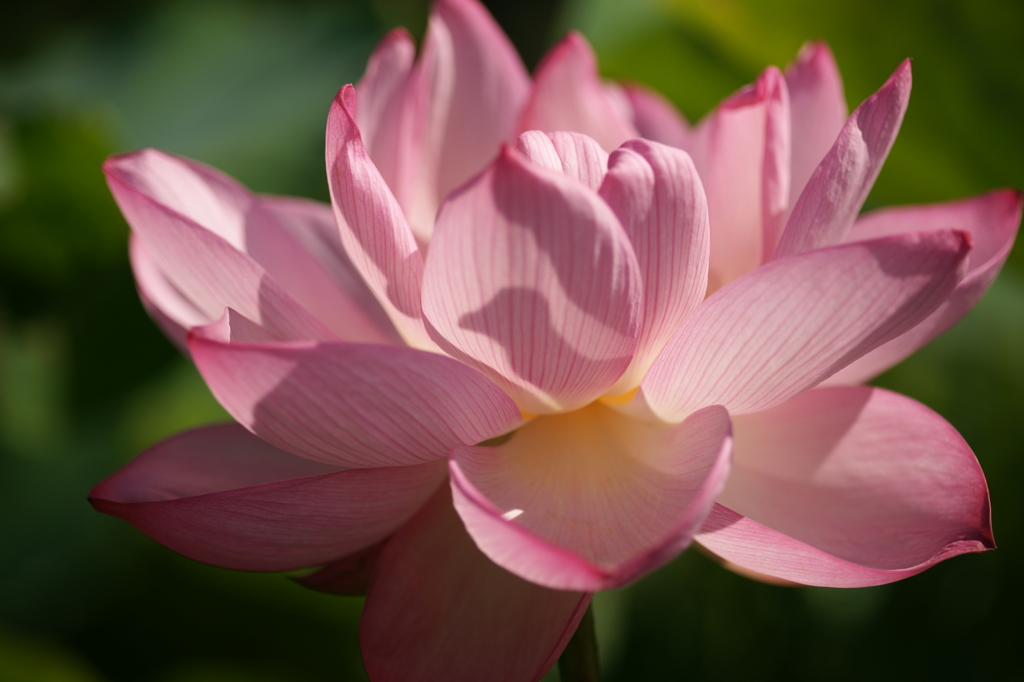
(349, 404)
(271, 241)
(164, 198)
(592, 499)
(572, 154)
(220, 495)
(794, 322)
(313, 226)
(438, 609)
(490, 89)
(846, 487)
(382, 114)
(741, 153)
(817, 111)
(657, 119)
(839, 185)
(431, 126)
(991, 219)
(655, 192)
(568, 95)
(532, 280)
(174, 313)
(373, 229)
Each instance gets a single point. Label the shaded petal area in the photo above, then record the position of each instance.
(348, 576)
(655, 192)
(532, 280)
(741, 152)
(373, 229)
(591, 499)
(568, 95)
(312, 226)
(221, 495)
(194, 224)
(836, 191)
(348, 404)
(847, 487)
(168, 307)
(794, 322)
(817, 108)
(991, 219)
(438, 609)
(203, 242)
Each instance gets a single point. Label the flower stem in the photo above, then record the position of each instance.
(578, 663)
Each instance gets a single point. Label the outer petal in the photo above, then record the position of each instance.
(657, 119)
(223, 496)
(313, 227)
(991, 219)
(742, 155)
(817, 111)
(839, 185)
(194, 224)
(168, 307)
(532, 280)
(655, 192)
(349, 404)
(790, 324)
(438, 609)
(848, 487)
(592, 499)
(350, 575)
(373, 230)
(568, 95)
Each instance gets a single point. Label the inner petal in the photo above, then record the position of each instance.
(595, 482)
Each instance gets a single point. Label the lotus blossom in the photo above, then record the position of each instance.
(546, 336)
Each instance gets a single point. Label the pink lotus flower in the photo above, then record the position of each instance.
(489, 380)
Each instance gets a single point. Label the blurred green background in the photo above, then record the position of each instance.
(86, 380)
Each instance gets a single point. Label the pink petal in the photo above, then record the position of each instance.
(817, 110)
(532, 280)
(349, 575)
(382, 114)
(431, 126)
(490, 89)
(741, 153)
(195, 226)
(991, 219)
(277, 234)
(568, 95)
(655, 192)
(174, 313)
(657, 119)
(572, 154)
(438, 609)
(373, 230)
(792, 323)
(592, 499)
(349, 404)
(223, 496)
(312, 225)
(847, 487)
(836, 190)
